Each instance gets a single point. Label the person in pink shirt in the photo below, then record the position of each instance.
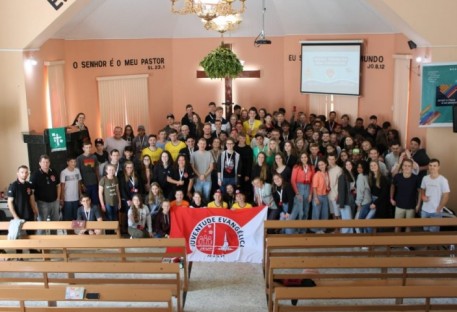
(302, 175)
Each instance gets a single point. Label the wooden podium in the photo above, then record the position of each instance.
(38, 144)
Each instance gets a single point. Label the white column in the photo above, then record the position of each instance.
(400, 101)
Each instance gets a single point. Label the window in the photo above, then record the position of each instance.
(123, 100)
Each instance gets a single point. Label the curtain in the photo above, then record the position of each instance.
(123, 100)
(55, 94)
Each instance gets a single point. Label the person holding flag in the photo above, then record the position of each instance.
(218, 202)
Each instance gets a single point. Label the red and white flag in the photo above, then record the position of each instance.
(215, 234)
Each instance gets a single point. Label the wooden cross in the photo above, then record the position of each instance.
(228, 85)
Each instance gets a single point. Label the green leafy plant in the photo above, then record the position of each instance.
(221, 63)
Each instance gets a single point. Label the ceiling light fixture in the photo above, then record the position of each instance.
(31, 62)
(208, 10)
(260, 39)
(223, 23)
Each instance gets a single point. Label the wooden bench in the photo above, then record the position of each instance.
(379, 226)
(361, 298)
(113, 298)
(352, 246)
(376, 224)
(151, 276)
(101, 250)
(107, 226)
(362, 271)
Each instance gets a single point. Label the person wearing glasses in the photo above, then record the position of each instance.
(228, 166)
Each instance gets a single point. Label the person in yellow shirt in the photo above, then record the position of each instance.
(240, 201)
(152, 150)
(217, 203)
(174, 145)
(252, 125)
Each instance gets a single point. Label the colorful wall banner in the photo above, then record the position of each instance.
(439, 94)
(220, 235)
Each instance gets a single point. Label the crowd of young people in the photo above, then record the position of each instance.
(301, 167)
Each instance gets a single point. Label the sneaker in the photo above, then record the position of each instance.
(364, 248)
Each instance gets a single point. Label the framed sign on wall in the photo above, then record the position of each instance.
(439, 94)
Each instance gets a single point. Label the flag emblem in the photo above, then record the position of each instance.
(220, 234)
(217, 235)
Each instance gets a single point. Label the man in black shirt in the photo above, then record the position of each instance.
(21, 201)
(419, 156)
(187, 119)
(211, 117)
(246, 159)
(46, 183)
(189, 149)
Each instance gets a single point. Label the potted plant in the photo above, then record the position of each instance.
(221, 63)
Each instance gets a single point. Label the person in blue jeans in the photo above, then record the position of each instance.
(302, 175)
(363, 198)
(109, 195)
(346, 191)
(320, 187)
(228, 166)
(434, 193)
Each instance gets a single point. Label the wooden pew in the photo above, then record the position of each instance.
(363, 271)
(100, 250)
(110, 226)
(315, 296)
(113, 298)
(351, 246)
(379, 226)
(151, 276)
(375, 224)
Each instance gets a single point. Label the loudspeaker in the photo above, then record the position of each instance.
(412, 45)
(454, 118)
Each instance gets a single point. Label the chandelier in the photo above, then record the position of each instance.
(219, 15)
(223, 23)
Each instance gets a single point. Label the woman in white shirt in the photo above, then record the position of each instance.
(139, 219)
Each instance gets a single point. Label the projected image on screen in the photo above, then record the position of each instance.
(331, 67)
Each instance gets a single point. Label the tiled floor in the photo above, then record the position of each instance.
(234, 287)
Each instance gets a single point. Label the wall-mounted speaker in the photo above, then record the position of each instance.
(412, 45)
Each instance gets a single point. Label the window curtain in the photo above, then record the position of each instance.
(55, 94)
(123, 100)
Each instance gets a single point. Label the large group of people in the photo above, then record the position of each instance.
(299, 166)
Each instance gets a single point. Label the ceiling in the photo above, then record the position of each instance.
(134, 19)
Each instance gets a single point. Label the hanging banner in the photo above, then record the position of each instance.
(220, 235)
(58, 139)
(439, 94)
